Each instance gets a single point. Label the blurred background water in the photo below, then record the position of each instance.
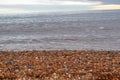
(93, 30)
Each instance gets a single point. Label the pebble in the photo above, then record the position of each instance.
(65, 69)
(9, 62)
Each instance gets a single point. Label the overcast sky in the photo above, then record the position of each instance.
(28, 6)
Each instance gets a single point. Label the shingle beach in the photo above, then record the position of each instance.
(60, 65)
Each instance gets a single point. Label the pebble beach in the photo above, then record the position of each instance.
(60, 65)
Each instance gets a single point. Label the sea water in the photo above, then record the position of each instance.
(76, 31)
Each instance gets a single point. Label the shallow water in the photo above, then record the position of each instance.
(98, 30)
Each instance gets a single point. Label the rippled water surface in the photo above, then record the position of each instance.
(98, 30)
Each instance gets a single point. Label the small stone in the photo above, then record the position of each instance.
(1, 63)
(65, 69)
(108, 58)
(91, 70)
(9, 62)
(78, 58)
(36, 58)
(16, 70)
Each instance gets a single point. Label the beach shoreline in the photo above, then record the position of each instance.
(60, 65)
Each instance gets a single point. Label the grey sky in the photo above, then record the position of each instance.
(23, 6)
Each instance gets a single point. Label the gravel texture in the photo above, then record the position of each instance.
(60, 65)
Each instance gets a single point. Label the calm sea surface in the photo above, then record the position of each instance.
(97, 30)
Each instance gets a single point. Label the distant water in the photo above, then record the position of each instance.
(95, 30)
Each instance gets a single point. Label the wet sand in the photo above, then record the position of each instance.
(60, 65)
